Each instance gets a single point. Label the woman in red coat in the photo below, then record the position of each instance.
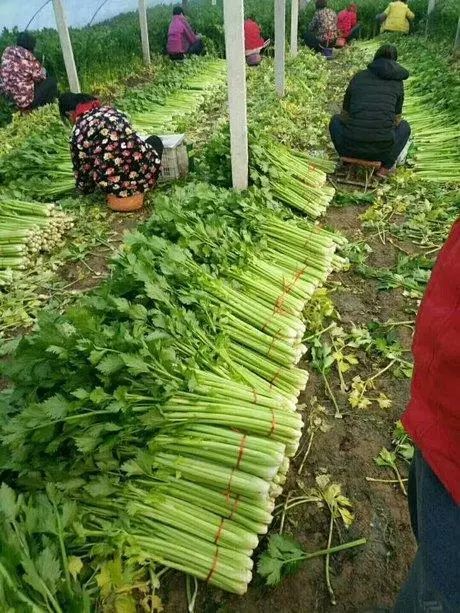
(253, 41)
(432, 419)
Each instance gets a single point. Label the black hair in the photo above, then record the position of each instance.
(321, 4)
(178, 10)
(68, 102)
(26, 40)
(157, 144)
(388, 52)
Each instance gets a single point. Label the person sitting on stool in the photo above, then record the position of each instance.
(182, 40)
(370, 126)
(322, 31)
(347, 23)
(23, 79)
(253, 41)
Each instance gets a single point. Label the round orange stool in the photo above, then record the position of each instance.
(130, 203)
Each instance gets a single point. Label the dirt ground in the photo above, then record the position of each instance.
(369, 577)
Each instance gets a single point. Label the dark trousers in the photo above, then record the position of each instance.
(433, 584)
(196, 49)
(45, 92)
(355, 32)
(315, 43)
(388, 157)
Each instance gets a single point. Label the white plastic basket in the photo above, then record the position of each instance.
(174, 163)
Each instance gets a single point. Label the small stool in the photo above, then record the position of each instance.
(368, 165)
(125, 205)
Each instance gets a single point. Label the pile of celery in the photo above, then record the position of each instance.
(159, 115)
(26, 229)
(168, 408)
(295, 178)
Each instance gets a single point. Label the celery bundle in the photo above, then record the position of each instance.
(28, 228)
(294, 177)
(160, 115)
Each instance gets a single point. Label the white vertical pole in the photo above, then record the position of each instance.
(457, 41)
(236, 69)
(431, 5)
(144, 31)
(294, 26)
(280, 45)
(66, 46)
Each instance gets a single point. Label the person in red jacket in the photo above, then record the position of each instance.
(253, 41)
(347, 22)
(432, 419)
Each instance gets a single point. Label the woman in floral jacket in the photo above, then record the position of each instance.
(22, 78)
(322, 31)
(106, 151)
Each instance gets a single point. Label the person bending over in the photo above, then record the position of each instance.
(23, 79)
(106, 151)
(322, 31)
(253, 41)
(347, 22)
(182, 40)
(396, 17)
(432, 420)
(370, 126)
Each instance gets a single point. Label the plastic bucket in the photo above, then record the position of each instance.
(130, 203)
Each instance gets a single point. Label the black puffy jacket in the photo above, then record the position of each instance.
(373, 99)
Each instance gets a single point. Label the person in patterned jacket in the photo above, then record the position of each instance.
(322, 31)
(22, 78)
(106, 151)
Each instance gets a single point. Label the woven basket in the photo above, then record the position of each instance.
(131, 203)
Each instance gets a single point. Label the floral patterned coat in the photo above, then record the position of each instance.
(107, 153)
(19, 71)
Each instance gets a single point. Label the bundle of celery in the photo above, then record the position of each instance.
(294, 179)
(179, 381)
(437, 140)
(40, 168)
(157, 115)
(28, 228)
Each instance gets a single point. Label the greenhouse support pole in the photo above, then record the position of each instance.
(144, 31)
(236, 70)
(457, 41)
(431, 6)
(66, 46)
(294, 26)
(280, 45)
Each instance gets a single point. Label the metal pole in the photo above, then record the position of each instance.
(66, 46)
(457, 41)
(236, 70)
(280, 45)
(144, 31)
(294, 27)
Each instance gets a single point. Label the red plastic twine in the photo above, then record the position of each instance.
(213, 566)
(273, 423)
(235, 506)
(219, 531)
(241, 451)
